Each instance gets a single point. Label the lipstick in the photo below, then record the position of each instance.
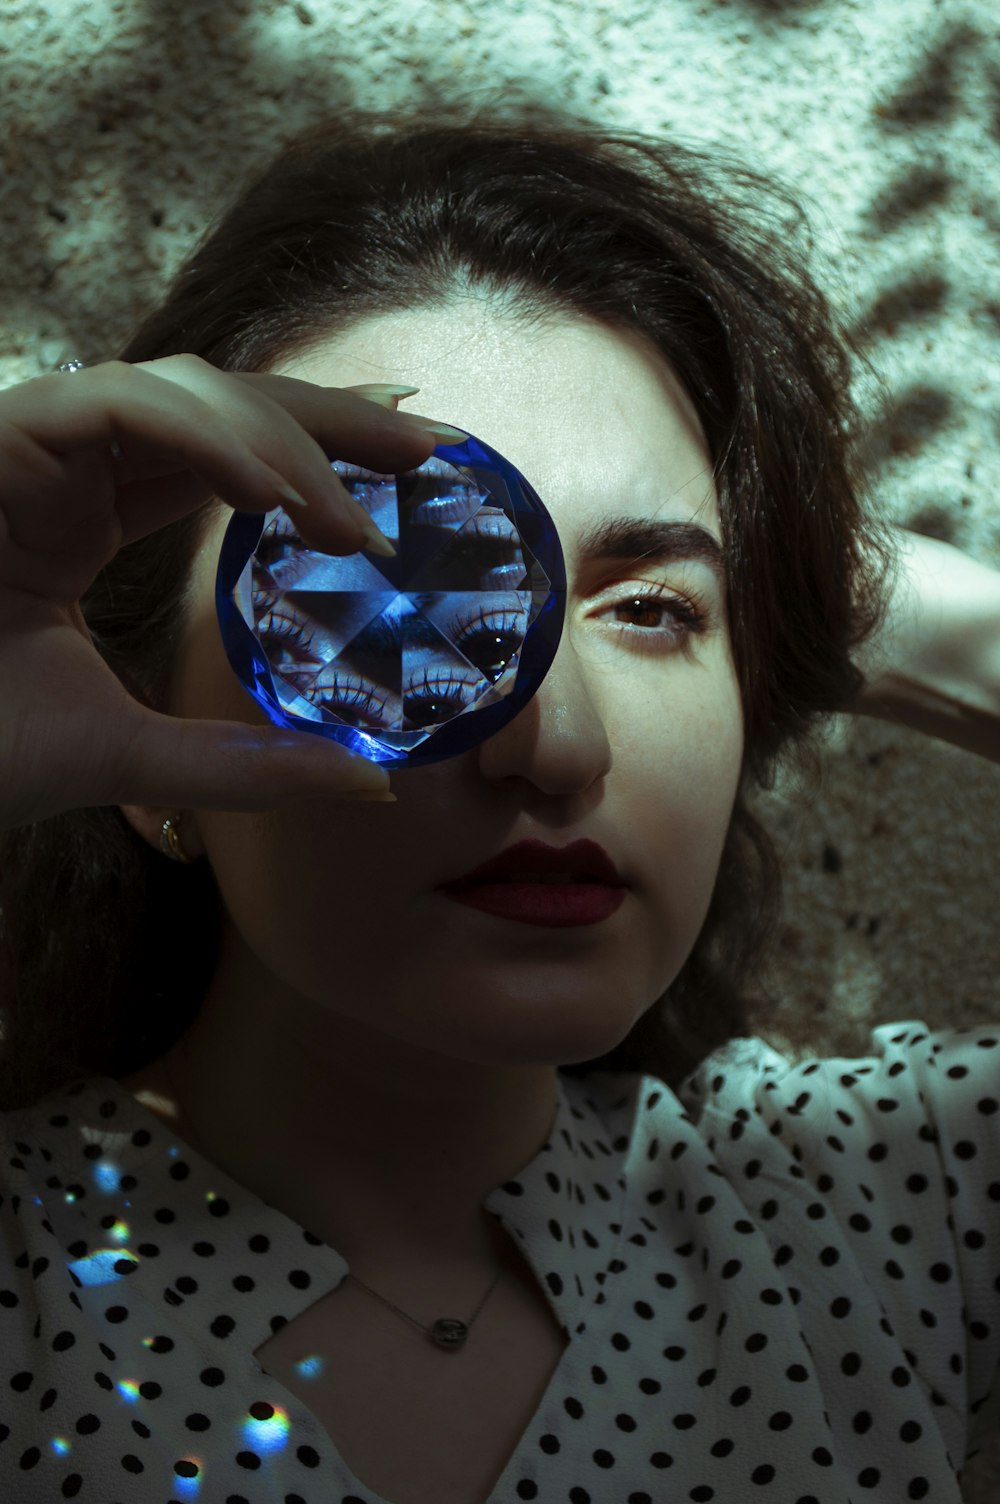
(532, 883)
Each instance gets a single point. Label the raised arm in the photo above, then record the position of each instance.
(935, 666)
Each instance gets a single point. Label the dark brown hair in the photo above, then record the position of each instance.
(108, 947)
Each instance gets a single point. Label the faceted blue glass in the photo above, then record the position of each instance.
(411, 659)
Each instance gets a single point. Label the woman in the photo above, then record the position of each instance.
(324, 1183)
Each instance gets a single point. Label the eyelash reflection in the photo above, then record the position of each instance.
(436, 698)
(488, 640)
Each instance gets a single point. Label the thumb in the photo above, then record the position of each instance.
(228, 765)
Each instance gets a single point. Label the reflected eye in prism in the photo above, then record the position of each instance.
(487, 641)
(411, 659)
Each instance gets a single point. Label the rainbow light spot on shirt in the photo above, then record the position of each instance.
(120, 1231)
(61, 1446)
(106, 1177)
(267, 1427)
(128, 1389)
(311, 1367)
(187, 1480)
(100, 1267)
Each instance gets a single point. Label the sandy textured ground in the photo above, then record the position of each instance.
(122, 125)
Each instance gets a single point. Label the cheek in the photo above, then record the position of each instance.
(680, 751)
(685, 728)
(316, 891)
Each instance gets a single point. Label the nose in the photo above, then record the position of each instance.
(558, 742)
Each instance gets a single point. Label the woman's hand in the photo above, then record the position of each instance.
(71, 735)
(935, 666)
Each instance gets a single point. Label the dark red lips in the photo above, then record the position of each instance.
(582, 861)
(558, 887)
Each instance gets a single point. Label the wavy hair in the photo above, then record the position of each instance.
(372, 212)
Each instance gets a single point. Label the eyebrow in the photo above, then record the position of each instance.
(654, 541)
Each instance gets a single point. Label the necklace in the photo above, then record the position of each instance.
(447, 1331)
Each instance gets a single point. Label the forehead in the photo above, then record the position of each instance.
(594, 417)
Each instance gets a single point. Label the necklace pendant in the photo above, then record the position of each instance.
(447, 1332)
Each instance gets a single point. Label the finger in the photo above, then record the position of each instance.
(229, 765)
(348, 426)
(299, 426)
(58, 535)
(157, 494)
(155, 417)
(242, 434)
(102, 402)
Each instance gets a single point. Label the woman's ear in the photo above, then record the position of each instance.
(147, 821)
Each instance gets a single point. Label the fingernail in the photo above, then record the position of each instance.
(377, 542)
(439, 430)
(375, 389)
(375, 539)
(291, 498)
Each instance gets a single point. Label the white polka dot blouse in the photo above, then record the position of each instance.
(781, 1283)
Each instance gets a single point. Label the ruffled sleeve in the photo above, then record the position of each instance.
(902, 1148)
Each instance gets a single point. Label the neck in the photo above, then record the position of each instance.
(370, 1140)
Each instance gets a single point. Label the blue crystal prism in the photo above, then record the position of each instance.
(411, 659)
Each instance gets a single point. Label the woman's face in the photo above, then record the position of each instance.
(633, 740)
